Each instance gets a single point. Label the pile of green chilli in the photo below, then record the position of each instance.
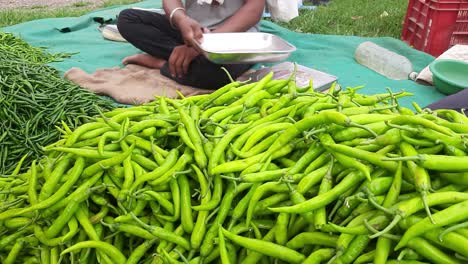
(34, 99)
(262, 172)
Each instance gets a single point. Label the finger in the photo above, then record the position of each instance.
(188, 38)
(186, 65)
(179, 66)
(171, 62)
(206, 30)
(198, 33)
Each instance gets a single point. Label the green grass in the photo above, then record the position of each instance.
(353, 17)
(15, 16)
(369, 18)
(81, 4)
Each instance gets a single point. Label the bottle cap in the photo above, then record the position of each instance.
(413, 76)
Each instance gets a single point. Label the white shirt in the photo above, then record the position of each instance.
(211, 16)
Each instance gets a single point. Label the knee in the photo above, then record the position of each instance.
(124, 19)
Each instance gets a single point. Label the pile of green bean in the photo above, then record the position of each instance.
(261, 172)
(22, 50)
(33, 100)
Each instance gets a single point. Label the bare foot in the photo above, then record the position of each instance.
(144, 60)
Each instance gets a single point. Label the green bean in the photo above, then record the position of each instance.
(223, 252)
(73, 230)
(17, 222)
(312, 153)
(128, 174)
(65, 216)
(312, 238)
(383, 246)
(88, 153)
(167, 205)
(137, 209)
(421, 176)
(234, 92)
(357, 245)
(253, 256)
(242, 205)
(185, 159)
(199, 154)
(199, 228)
(312, 178)
(366, 257)
(141, 125)
(281, 234)
(439, 236)
(257, 87)
(175, 190)
(447, 216)
(240, 165)
(107, 248)
(8, 240)
(138, 253)
(456, 127)
(171, 159)
(408, 207)
(225, 206)
(427, 250)
(439, 162)
(185, 137)
(350, 180)
(14, 252)
(82, 217)
(186, 207)
(211, 97)
(81, 130)
(223, 143)
(266, 248)
(258, 194)
(131, 113)
(82, 190)
(259, 134)
(164, 234)
(98, 166)
(264, 176)
(60, 193)
(226, 112)
(239, 142)
(283, 101)
(54, 255)
(32, 195)
(308, 123)
(407, 137)
(319, 256)
(216, 197)
(373, 158)
(414, 120)
(320, 217)
(356, 132)
(275, 199)
(49, 186)
(93, 134)
(45, 255)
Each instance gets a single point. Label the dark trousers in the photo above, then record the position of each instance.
(152, 33)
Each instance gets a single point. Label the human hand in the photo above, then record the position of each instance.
(191, 30)
(180, 60)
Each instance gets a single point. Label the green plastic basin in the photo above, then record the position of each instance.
(449, 76)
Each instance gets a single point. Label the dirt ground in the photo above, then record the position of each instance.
(9, 4)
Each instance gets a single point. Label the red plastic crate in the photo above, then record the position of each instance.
(433, 26)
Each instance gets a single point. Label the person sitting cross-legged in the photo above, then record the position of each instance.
(166, 40)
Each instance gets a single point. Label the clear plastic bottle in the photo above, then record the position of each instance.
(383, 61)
